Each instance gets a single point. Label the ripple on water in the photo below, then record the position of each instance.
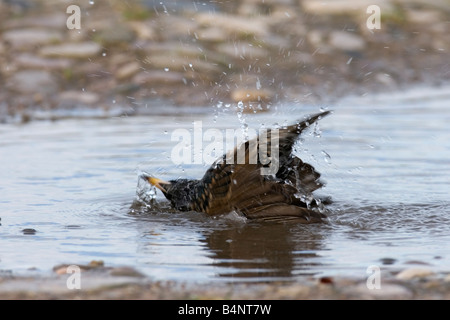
(74, 183)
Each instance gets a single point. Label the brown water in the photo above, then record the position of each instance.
(386, 161)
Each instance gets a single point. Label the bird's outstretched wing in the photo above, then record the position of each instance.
(240, 186)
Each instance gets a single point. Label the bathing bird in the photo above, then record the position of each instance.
(277, 186)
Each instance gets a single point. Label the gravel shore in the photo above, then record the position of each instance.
(129, 58)
(125, 283)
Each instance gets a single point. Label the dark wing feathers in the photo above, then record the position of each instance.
(241, 187)
(283, 212)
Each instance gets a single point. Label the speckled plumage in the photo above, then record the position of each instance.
(241, 187)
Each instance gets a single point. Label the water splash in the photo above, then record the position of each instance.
(145, 192)
(242, 120)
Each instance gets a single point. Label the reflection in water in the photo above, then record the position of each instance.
(237, 248)
(261, 250)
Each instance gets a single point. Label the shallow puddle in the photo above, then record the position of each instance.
(68, 194)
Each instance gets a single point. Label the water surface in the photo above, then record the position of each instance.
(385, 159)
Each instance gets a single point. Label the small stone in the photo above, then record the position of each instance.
(292, 291)
(77, 98)
(53, 20)
(326, 280)
(26, 38)
(169, 62)
(60, 270)
(115, 35)
(251, 95)
(385, 79)
(72, 50)
(339, 7)
(143, 30)
(423, 16)
(413, 273)
(33, 82)
(128, 70)
(385, 291)
(29, 231)
(315, 37)
(388, 261)
(30, 61)
(212, 34)
(346, 41)
(96, 263)
(126, 272)
(158, 77)
(244, 26)
(242, 50)
(418, 262)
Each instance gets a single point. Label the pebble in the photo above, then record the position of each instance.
(388, 261)
(128, 70)
(213, 34)
(234, 25)
(242, 50)
(33, 82)
(28, 231)
(346, 41)
(28, 60)
(423, 16)
(168, 63)
(72, 50)
(54, 20)
(413, 273)
(114, 35)
(94, 264)
(126, 272)
(251, 95)
(28, 38)
(158, 77)
(143, 30)
(386, 291)
(73, 97)
(339, 7)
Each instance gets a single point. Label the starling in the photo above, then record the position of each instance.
(240, 185)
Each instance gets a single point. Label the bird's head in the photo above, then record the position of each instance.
(181, 192)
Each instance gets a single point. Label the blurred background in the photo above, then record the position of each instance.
(131, 56)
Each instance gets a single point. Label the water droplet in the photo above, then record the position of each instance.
(326, 157)
(104, 54)
(258, 84)
(166, 132)
(152, 193)
(91, 2)
(166, 69)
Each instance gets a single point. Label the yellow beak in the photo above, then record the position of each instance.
(157, 183)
